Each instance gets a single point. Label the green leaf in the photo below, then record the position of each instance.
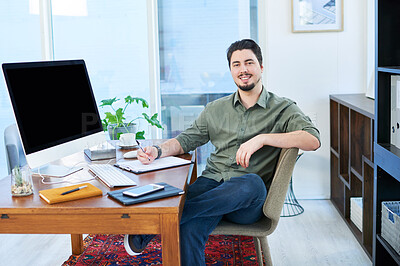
(129, 99)
(119, 114)
(109, 102)
(111, 118)
(140, 135)
(105, 124)
(152, 120)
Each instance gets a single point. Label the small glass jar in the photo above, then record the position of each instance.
(21, 181)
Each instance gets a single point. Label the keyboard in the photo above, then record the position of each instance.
(110, 175)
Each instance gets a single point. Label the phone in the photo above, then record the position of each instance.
(143, 190)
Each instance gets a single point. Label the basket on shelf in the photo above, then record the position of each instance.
(391, 223)
(356, 212)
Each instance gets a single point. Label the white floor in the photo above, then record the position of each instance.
(319, 236)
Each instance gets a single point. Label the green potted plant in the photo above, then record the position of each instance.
(115, 121)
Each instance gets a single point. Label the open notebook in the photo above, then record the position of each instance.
(137, 167)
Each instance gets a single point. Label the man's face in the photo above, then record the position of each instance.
(245, 69)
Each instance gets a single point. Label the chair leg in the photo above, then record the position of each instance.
(258, 251)
(265, 250)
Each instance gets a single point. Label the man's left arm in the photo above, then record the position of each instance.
(300, 139)
(297, 131)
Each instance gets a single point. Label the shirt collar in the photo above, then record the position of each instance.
(262, 100)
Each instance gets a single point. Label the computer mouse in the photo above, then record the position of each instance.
(130, 154)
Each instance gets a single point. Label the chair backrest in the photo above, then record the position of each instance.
(14, 151)
(276, 194)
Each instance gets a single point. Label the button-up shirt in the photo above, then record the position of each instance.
(227, 124)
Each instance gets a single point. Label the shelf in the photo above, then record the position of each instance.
(354, 228)
(367, 161)
(387, 157)
(360, 139)
(389, 249)
(358, 234)
(358, 102)
(352, 168)
(334, 152)
(345, 179)
(334, 115)
(390, 69)
(354, 172)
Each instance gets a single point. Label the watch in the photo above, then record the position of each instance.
(159, 151)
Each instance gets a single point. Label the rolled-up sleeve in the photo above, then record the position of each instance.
(195, 135)
(299, 121)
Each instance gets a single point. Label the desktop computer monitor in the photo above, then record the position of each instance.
(55, 111)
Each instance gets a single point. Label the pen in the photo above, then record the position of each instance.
(142, 149)
(73, 190)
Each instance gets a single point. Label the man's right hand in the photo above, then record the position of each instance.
(148, 156)
(171, 147)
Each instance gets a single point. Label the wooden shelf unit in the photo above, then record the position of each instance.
(387, 156)
(352, 167)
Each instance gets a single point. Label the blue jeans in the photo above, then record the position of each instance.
(239, 200)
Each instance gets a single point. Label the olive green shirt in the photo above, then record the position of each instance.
(227, 124)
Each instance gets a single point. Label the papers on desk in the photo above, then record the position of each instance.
(137, 167)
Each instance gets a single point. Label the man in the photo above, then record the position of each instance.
(248, 130)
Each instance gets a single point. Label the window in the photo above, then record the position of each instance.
(194, 37)
(111, 36)
(19, 26)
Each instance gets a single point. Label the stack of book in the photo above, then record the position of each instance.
(356, 212)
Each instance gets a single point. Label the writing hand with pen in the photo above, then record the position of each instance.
(147, 154)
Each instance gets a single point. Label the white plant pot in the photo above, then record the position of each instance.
(115, 132)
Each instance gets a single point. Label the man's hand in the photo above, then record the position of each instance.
(148, 156)
(169, 148)
(247, 149)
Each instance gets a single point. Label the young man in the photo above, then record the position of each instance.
(248, 130)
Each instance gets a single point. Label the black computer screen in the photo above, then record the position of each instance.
(53, 102)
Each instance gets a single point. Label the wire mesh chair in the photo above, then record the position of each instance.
(291, 207)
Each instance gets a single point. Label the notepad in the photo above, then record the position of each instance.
(53, 195)
(137, 167)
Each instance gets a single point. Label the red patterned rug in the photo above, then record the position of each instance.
(109, 250)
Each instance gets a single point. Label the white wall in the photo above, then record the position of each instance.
(308, 67)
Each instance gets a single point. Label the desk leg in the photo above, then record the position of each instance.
(171, 254)
(77, 244)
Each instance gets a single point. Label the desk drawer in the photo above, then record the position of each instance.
(80, 224)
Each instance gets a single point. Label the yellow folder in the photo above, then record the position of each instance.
(53, 195)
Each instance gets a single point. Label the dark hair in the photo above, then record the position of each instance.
(244, 44)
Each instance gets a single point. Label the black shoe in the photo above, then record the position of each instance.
(132, 244)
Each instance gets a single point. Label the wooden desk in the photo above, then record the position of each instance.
(98, 215)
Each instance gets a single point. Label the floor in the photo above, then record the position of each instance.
(319, 236)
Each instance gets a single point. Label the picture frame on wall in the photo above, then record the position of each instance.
(317, 15)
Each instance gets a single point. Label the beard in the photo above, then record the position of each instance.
(247, 87)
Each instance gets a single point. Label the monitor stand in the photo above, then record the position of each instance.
(52, 170)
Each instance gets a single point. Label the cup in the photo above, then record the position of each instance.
(21, 181)
(127, 139)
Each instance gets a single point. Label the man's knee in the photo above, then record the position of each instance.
(255, 180)
(251, 181)
(251, 184)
